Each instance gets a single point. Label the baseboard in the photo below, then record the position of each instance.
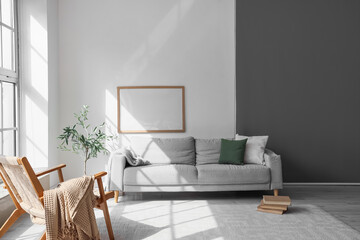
(320, 184)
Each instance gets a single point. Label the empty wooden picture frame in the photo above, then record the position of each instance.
(151, 109)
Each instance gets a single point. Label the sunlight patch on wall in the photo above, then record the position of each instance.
(111, 120)
(110, 109)
(163, 31)
(38, 37)
(36, 132)
(130, 119)
(38, 55)
(39, 74)
(161, 34)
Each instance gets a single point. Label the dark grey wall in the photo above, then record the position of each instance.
(298, 80)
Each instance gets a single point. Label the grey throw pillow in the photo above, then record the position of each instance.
(165, 150)
(255, 148)
(207, 151)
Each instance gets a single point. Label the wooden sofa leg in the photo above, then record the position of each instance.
(116, 196)
(276, 192)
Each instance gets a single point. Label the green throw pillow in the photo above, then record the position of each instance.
(232, 151)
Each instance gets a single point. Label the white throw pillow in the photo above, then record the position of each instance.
(255, 148)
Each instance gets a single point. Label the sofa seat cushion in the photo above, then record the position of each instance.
(232, 174)
(167, 174)
(165, 150)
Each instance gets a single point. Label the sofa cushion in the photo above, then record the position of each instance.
(207, 151)
(165, 150)
(175, 174)
(232, 174)
(232, 151)
(255, 148)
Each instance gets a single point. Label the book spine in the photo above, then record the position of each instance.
(276, 203)
(279, 212)
(276, 207)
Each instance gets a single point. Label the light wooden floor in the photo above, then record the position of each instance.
(342, 202)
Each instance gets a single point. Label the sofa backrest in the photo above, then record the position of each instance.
(207, 151)
(165, 150)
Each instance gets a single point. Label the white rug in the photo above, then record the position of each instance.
(212, 219)
(219, 219)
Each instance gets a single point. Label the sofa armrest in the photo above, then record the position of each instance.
(273, 161)
(116, 167)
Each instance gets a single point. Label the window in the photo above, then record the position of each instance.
(8, 79)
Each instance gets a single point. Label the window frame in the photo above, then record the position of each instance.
(12, 77)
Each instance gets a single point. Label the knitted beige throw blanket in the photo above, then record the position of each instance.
(69, 210)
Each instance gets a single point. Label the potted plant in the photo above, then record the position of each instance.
(83, 139)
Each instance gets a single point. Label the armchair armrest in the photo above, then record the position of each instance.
(104, 196)
(58, 169)
(100, 174)
(273, 161)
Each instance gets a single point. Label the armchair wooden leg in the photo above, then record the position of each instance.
(43, 237)
(276, 192)
(11, 220)
(105, 210)
(103, 205)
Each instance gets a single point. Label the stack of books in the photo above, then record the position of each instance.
(274, 204)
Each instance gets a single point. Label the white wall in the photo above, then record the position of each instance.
(38, 56)
(53, 66)
(34, 81)
(113, 43)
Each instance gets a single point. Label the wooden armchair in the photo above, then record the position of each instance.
(27, 193)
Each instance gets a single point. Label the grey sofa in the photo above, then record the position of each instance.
(188, 164)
